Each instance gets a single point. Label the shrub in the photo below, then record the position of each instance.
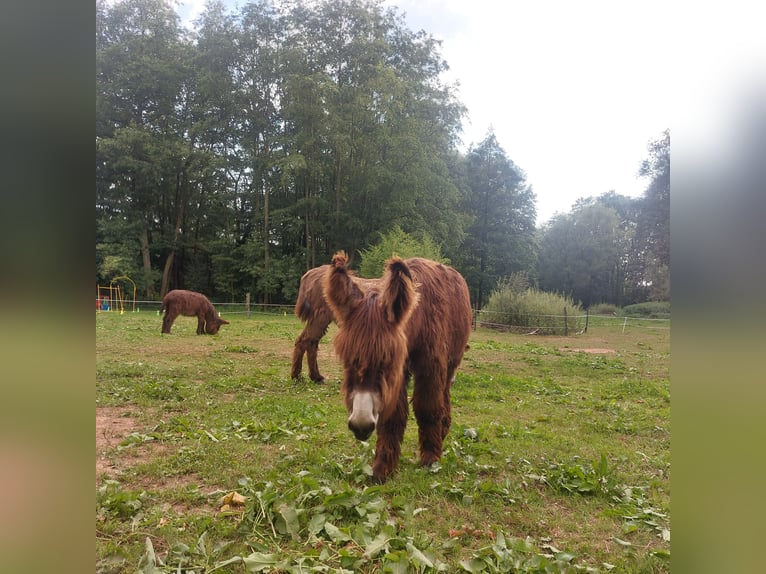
(530, 309)
(648, 310)
(397, 242)
(604, 309)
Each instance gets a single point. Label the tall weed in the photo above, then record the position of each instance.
(530, 309)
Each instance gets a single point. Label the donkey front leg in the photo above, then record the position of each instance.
(167, 320)
(433, 416)
(311, 358)
(298, 351)
(310, 347)
(388, 447)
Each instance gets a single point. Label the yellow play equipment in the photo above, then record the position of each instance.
(112, 297)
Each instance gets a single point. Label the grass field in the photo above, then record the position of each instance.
(210, 458)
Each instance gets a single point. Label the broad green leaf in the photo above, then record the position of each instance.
(289, 521)
(233, 560)
(500, 540)
(316, 524)
(151, 559)
(564, 556)
(258, 561)
(397, 567)
(473, 565)
(379, 543)
(629, 527)
(418, 556)
(201, 546)
(181, 549)
(335, 533)
(375, 504)
(347, 499)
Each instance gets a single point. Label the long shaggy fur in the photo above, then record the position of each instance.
(415, 321)
(312, 309)
(190, 304)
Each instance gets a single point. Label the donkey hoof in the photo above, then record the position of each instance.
(428, 459)
(379, 476)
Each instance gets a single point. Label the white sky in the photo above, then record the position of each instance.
(575, 90)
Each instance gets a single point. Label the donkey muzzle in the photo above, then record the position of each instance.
(364, 415)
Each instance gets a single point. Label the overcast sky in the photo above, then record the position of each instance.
(574, 91)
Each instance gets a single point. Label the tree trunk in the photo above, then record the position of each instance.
(147, 260)
(166, 273)
(310, 250)
(266, 238)
(337, 204)
(180, 204)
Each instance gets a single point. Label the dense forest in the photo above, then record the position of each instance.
(232, 158)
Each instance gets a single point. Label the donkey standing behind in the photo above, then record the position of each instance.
(190, 303)
(312, 309)
(415, 321)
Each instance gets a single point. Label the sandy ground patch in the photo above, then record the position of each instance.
(591, 351)
(112, 426)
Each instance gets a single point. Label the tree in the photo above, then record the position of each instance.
(653, 225)
(397, 242)
(232, 158)
(501, 207)
(580, 254)
(144, 163)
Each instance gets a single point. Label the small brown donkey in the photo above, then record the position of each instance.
(190, 303)
(415, 322)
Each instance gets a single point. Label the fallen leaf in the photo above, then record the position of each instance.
(233, 499)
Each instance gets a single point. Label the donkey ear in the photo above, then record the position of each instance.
(340, 292)
(399, 295)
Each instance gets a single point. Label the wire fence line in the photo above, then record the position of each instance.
(517, 323)
(564, 323)
(241, 308)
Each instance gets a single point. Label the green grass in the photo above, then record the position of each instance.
(558, 459)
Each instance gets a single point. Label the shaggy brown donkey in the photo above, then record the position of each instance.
(190, 303)
(415, 322)
(312, 309)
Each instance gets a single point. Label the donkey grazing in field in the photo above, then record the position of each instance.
(415, 321)
(190, 303)
(312, 309)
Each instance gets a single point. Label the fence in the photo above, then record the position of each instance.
(565, 323)
(527, 324)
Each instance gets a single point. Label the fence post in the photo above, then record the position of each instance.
(587, 316)
(247, 304)
(566, 325)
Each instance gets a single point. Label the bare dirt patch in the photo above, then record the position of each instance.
(113, 426)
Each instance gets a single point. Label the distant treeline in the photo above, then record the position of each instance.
(231, 159)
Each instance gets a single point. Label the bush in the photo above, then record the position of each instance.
(531, 310)
(397, 242)
(604, 309)
(648, 310)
